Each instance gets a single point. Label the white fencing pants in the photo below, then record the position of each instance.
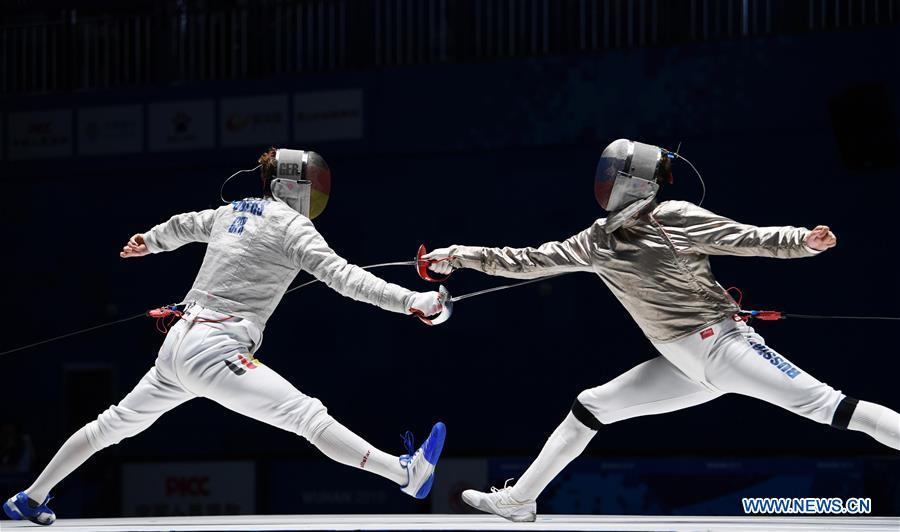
(208, 354)
(208, 359)
(728, 357)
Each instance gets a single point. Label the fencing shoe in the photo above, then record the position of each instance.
(21, 507)
(420, 464)
(500, 502)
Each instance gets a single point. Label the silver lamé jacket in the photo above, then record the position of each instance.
(657, 264)
(254, 250)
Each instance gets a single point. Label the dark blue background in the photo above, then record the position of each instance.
(489, 154)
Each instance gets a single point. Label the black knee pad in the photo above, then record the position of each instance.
(584, 415)
(844, 412)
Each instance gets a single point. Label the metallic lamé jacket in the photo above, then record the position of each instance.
(657, 264)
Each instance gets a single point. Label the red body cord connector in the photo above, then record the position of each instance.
(765, 315)
(166, 316)
(746, 315)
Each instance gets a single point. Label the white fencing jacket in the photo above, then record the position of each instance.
(255, 248)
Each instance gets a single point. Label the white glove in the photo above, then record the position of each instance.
(426, 304)
(443, 265)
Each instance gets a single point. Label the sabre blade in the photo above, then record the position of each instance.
(502, 287)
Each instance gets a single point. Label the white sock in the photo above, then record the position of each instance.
(879, 422)
(564, 445)
(72, 454)
(341, 445)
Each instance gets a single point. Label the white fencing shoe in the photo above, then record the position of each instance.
(500, 502)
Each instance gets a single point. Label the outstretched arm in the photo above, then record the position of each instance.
(575, 254)
(712, 234)
(177, 231)
(308, 250)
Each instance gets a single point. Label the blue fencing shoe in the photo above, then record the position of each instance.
(21, 507)
(420, 464)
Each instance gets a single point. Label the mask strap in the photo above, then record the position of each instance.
(222, 188)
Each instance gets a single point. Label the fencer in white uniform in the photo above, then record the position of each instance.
(655, 259)
(255, 248)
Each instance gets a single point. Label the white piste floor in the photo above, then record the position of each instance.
(468, 522)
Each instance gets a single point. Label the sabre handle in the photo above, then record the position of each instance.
(423, 264)
(443, 315)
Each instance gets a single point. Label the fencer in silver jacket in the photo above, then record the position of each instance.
(656, 263)
(655, 259)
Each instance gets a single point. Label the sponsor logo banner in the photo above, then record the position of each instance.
(328, 115)
(182, 125)
(254, 121)
(40, 134)
(188, 488)
(111, 129)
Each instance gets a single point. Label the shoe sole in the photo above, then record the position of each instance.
(438, 433)
(426, 488)
(437, 437)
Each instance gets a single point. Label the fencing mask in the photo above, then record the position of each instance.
(626, 179)
(302, 180)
